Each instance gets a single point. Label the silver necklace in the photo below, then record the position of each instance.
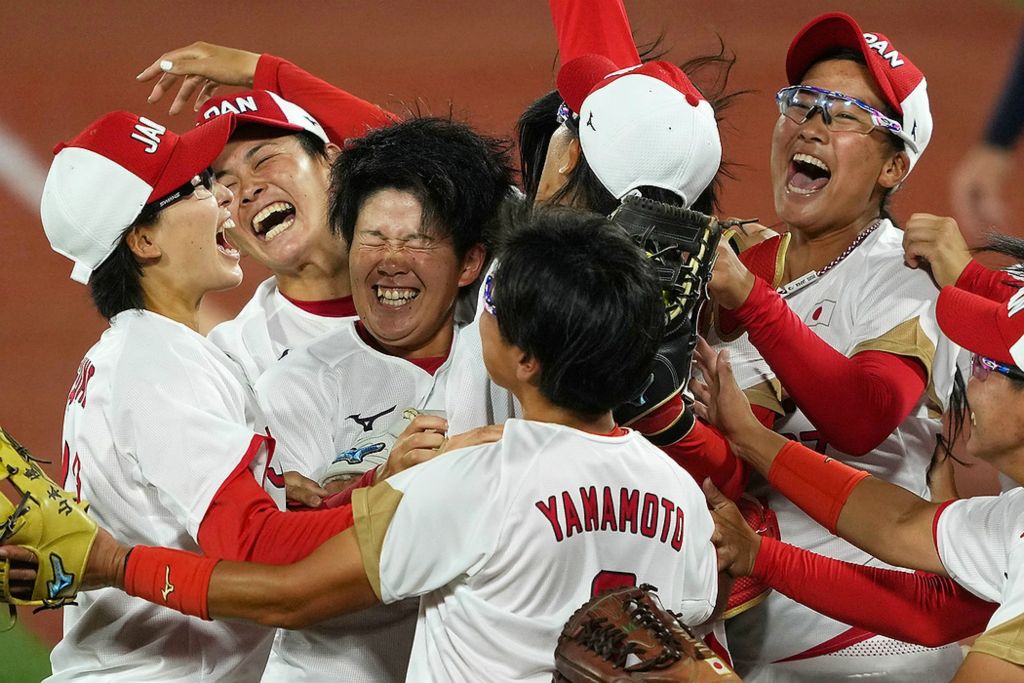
(810, 278)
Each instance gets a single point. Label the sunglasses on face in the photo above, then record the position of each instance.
(981, 367)
(567, 116)
(839, 112)
(200, 185)
(489, 295)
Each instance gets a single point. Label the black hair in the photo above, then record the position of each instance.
(312, 144)
(709, 73)
(896, 144)
(575, 293)
(116, 284)
(459, 176)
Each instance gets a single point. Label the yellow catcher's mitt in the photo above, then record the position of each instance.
(626, 635)
(49, 522)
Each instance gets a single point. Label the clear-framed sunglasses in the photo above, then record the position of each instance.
(488, 295)
(201, 185)
(567, 116)
(982, 366)
(839, 112)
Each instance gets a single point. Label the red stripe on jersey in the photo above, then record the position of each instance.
(329, 308)
(849, 637)
(935, 524)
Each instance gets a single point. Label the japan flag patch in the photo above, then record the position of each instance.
(821, 314)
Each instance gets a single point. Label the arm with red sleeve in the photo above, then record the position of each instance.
(342, 114)
(869, 395)
(991, 284)
(704, 452)
(594, 27)
(916, 607)
(243, 523)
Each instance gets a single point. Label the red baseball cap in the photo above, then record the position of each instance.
(988, 328)
(99, 182)
(643, 125)
(902, 84)
(264, 108)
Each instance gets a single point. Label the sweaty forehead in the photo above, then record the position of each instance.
(393, 213)
(847, 77)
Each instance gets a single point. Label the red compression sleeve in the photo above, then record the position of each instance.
(344, 497)
(173, 578)
(342, 114)
(817, 484)
(916, 607)
(243, 523)
(705, 453)
(869, 394)
(594, 27)
(991, 284)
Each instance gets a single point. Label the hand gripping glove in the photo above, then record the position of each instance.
(626, 635)
(682, 244)
(48, 521)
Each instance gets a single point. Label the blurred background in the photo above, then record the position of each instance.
(65, 63)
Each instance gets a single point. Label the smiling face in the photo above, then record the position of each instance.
(280, 200)
(405, 276)
(997, 433)
(185, 246)
(825, 180)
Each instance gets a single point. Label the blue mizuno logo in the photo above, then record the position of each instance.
(61, 579)
(356, 455)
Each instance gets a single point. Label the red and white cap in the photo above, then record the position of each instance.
(264, 108)
(902, 84)
(644, 125)
(988, 328)
(99, 182)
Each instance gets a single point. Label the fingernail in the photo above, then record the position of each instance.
(316, 502)
(166, 65)
(140, 75)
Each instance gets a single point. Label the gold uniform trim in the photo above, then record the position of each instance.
(767, 394)
(908, 339)
(373, 509)
(1005, 641)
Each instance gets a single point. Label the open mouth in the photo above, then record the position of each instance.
(395, 296)
(807, 174)
(224, 246)
(272, 220)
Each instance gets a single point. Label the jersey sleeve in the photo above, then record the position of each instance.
(972, 538)
(342, 114)
(188, 428)
(425, 527)
(1004, 637)
(300, 397)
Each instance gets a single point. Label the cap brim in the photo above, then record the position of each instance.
(827, 33)
(252, 119)
(193, 152)
(980, 325)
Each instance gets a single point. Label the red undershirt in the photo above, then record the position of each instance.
(329, 308)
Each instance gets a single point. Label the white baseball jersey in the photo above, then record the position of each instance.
(981, 544)
(269, 326)
(869, 301)
(505, 541)
(156, 420)
(334, 397)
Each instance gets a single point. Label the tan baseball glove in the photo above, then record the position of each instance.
(626, 635)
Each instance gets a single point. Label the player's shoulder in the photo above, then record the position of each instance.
(255, 310)
(318, 358)
(159, 353)
(884, 263)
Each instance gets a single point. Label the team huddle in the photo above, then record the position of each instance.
(462, 407)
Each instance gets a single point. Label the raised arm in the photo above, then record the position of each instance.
(882, 519)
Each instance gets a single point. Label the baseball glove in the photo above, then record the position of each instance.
(626, 635)
(682, 244)
(48, 521)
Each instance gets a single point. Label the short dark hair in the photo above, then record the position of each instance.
(116, 284)
(574, 292)
(459, 176)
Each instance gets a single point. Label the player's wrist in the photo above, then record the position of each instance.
(106, 564)
(756, 444)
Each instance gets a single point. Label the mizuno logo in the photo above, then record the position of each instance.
(367, 422)
(61, 579)
(590, 122)
(168, 586)
(356, 455)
